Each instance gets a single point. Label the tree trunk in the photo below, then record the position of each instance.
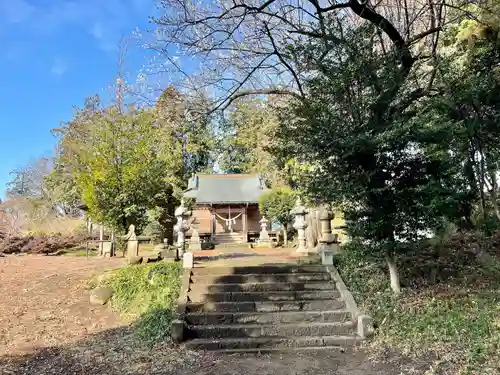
(285, 235)
(394, 274)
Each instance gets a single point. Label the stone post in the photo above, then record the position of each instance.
(264, 234)
(195, 243)
(299, 211)
(101, 239)
(327, 246)
(182, 214)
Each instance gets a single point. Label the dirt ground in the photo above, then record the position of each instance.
(43, 301)
(48, 327)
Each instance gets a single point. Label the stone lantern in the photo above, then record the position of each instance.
(264, 234)
(327, 246)
(195, 243)
(182, 215)
(300, 212)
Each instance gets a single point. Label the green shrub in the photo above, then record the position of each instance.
(454, 317)
(147, 295)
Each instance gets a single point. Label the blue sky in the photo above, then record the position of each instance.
(54, 54)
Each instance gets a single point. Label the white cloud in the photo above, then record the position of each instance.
(107, 21)
(59, 67)
(97, 31)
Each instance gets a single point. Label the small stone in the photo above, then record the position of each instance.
(134, 260)
(101, 295)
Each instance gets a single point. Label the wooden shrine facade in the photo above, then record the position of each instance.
(226, 203)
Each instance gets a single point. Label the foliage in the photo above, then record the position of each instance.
(124, 173)
(390, 173)
(189, 124)
(277, 204)
(146, 294)
(455, 321)
(130, 165)
(246, 135)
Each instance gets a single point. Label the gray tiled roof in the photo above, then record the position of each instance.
(229, 188)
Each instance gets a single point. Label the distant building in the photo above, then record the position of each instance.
(227, 204)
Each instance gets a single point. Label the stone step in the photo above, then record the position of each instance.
(264, 287)
(303, 295)
(267, 269)
(223, 241)
(271, 330)
(259, 278)
(261, 351)
(214, 318)
(272, 343)
(311, 305)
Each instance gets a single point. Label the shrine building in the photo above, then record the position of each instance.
(227, 205)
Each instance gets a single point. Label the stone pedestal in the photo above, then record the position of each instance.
(299, 211)
(264, 239)
(327, 246)
(195, 243)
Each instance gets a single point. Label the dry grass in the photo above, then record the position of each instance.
(63, 225)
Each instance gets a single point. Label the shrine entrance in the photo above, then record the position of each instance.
(229, 219)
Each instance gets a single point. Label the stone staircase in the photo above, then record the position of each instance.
(228, 238)
(266, 308)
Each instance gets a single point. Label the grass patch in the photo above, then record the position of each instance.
(145, 295)
(79, 252)
(449, 308)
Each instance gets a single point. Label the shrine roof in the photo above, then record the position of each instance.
(225, 188)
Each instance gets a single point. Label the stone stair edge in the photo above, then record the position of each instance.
(197, 303)
(319, 282)
(278, 278)
(280, 350)
(266, 292)
(250, 313)
(286, 325)
(273, 338)
(262, 275)
(284, 266)
(245, 344)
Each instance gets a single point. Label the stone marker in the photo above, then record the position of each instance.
(188, 260)
(101, 295)
(132, 243)
(107, 249)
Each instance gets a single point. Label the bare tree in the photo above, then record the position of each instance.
(242, 47)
